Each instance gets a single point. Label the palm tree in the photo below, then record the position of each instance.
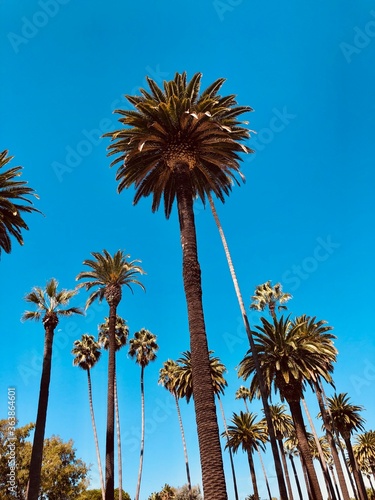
(364, 451)
(107, 276)
(143, 348)
(13, 194)
(49, 304)
(168, 378)
(290, 356)
(283, 425)
(121, 336)
(243, 393)
(346, 419)
(262, 387)
(250, 435)
(87, 353)
(268, 296)
(290, 448)
(178, 144)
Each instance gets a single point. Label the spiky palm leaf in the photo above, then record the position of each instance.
(345, 416)
(121, 333)
(266, 295)
(86, 351)
(13, 193)
(176, 125)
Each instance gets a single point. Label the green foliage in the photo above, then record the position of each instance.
(63, 474)
(97, 495)
(170, 493)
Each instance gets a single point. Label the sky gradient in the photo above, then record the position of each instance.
(305, 216)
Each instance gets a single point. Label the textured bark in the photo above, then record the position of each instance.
(110, 434)
(33, 487)
(229, 449)
(118, 432)
(285, 466)
(265, 475)
(213, 478)
(296, 477)
(303, 447)
(142, 435)
(331, 442)
(253, 476)
(262, 387)
(183, 442)
(95, 434)
(361, 489)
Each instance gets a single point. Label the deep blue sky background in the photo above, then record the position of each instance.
(305, 216)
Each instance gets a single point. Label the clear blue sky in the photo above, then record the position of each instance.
(305, 216)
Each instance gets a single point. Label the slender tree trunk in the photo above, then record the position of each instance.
(95, 435)
(253, 476)
(110, 434)
(303, 446)
(142, 434)
(183, 442)
(331, 442)
(362, 493)
(37, 450)
(333, 478)
(327, 477)
(296, 477)
(286, 472)
(229, 449)
(119, 455)
(262, 387)
(213, 478)
(265, 475)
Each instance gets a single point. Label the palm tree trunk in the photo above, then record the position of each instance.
(265, 475)
(213, 478)
(296, 477)
(110, 434)
(229, 449)
(327, 477)
(37, 450)
(142, 434)
(119, 456)
(331, 442)
(362, 493)
(262, 387)
(286, 472)
(183, 442)
(95, 434)
(253, 476)
(303, 446)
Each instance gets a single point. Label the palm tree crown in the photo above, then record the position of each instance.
(346, 416)
(245, 432)
(176, 125)
(12, 195)
(266, 295)
(86, 351)
(143, 347)
(121, 333)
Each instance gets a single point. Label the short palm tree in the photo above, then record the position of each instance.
(271, 297)
(243, 393)
(346, 419)
(181, 144)
(250, 435)
(13, 195)
(168, 378)
(106, 276)
(121, 336)
(87, 353)
(50, 306)
(143, 348)
(291, 354)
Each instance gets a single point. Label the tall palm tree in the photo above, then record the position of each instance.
(364, 451)
(283, 425)
(290, 357)
(168, 378)
(262, 387)
(346, 419)
(271, 297)
(121, 336)
(87, 353)
(251, 436)
(143, 348)
(50, 306)
(106, 276)
(180, 144)
(13, 194)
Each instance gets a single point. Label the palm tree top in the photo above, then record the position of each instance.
(121, 333)
(143, 347)
(168, 375)
(86, 351)
(266, 295)
(49, 302)
(346, 416)
(109, 271)
(244, 431)
(13, 194)
(243, 393)
(179, 125)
